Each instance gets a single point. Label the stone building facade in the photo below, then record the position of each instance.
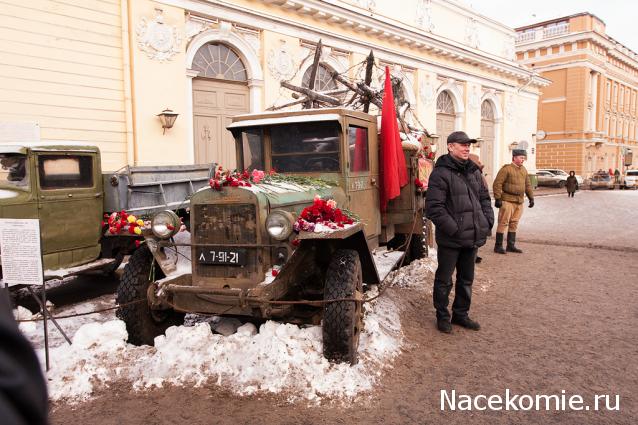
(99, 71)
(588, 113)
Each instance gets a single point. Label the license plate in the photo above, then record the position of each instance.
(228, 257)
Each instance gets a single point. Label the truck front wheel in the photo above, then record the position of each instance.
(143, 324)
(343, 320)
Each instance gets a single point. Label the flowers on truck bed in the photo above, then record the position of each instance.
(119, 222)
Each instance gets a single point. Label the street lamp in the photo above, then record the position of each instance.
(167, 118)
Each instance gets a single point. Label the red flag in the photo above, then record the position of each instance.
(394, 174)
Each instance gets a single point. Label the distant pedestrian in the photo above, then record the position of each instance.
(571, 184)
(616, 176)
(458, 203)
(510, 187)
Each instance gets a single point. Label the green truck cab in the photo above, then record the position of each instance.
(63, 186)
(239, 235)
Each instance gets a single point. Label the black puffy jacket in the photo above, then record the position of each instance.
(462, 214)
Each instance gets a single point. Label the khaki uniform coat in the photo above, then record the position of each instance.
(512, 183)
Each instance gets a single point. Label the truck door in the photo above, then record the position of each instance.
(70, 207)
(362, 175)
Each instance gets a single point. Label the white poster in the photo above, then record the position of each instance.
(20, 250)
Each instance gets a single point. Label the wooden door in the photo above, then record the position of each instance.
(444, 126)
(214, 104)
(363, 175)
(70, 205)
(487, 149)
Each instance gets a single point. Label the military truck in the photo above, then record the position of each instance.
(63, 186)
(241, 235)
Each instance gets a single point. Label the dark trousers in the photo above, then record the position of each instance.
(461, 259)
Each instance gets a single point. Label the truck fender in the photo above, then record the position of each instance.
(168, 258)
(356, 241)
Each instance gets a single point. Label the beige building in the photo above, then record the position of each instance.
(588, 113)
(100, 71)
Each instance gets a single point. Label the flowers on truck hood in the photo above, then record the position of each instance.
(323, 212)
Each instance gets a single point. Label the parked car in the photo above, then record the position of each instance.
(601, 181)
(562, 173)
(631, 179)
(546, 178)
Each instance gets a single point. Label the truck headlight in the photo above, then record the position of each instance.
(165, 224)
(279, 224)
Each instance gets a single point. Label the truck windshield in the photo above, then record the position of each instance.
(252, 149)
(306, 147)
(14, 170)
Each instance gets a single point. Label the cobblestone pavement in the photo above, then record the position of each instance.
(605, 218)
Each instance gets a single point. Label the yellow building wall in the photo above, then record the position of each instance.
(566, 156)
(575, 92)
(61, 68)
(157, 85)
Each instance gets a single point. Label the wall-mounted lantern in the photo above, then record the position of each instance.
(167, 117)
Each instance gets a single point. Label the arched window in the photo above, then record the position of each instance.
(487, 112)
(215, 60)
(444, 103)
(323, 79)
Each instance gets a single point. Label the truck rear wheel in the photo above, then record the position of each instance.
(342, 320)
(143, 324)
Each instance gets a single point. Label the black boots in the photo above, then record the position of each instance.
(498, 246)
(444, 326)
(511, 242)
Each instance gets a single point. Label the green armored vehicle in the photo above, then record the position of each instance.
(247, 260)
(63, 186)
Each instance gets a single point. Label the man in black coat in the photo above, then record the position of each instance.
(23, 392)
(459, 205)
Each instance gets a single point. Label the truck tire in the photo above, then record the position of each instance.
(414, 251)
(143, 324)
(342, 320)
(417, 248)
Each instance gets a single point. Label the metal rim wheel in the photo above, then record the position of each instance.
(143, 324)
(343, 320)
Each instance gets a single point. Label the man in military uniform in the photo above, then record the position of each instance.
(510, 187)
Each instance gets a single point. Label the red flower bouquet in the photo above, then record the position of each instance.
(235, 178)
(322, 212)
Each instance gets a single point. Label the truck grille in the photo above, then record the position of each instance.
(226, 225)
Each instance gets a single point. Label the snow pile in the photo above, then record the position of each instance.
(418, 274)
(280, 358)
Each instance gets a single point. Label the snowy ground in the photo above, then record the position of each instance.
(276, 358)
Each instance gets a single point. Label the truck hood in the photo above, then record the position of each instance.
(287, 194)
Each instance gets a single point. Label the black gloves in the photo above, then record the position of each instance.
(498, 203)
(531, 203)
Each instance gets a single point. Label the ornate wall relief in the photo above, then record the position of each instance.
(511, 111)
(367, 4)
(194, 26)
(474, 100)
(281, 63)
(251, 37)
(427, 91)
(158, 40)
(424, 15)
(472, 33)
(508, 48)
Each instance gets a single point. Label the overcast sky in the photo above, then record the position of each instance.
(620, 16)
